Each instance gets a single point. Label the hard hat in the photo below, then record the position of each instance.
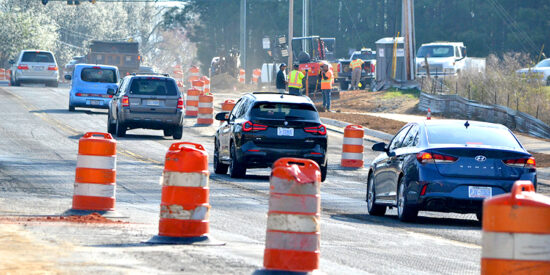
(282, 65)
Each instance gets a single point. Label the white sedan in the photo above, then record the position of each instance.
(542, 70)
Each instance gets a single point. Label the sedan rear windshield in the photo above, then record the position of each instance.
(43, 57)
(472, 135)
(287, 111)
(98, 75)
(153, 86)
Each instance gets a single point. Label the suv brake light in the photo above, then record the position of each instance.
(125, 101)
(249, 126)
(52, 68)
(426, 157)
(180, 103)
(23, 67)
(339, 67)
(320, 130)
(521, 163)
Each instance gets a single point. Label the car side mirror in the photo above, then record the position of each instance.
(111, 91)
(68, 77)
(380, 147)
(12, 61)
(222, 116)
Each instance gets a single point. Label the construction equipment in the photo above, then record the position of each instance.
(308, 51)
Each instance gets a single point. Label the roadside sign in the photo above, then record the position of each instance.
(266, 43)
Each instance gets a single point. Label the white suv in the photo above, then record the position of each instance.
(35, 66)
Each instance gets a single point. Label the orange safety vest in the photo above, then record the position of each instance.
(326, 84)
(356, 63)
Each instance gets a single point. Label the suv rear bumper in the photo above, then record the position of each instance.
(156, 121)
(253, 156)
(36, 79)
(89, 102)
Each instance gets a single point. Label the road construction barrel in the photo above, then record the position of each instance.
(242, 76)
(206, 87)
(194, 74)
(192, 103)
(95, 177)
(198, 85)
(184, 205)
(256, 76)
(293, 221)
(352, 149)
(3, 74)
(227, 105)
(516, 232)
(206, 110)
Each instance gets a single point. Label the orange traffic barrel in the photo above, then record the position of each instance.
(184, 208)
(206, 81)
(198, 85)
(293, 221)
(206, 110)
(227, 105)
(242, 76)
(3, 74)
(194, 74)
(516, 232)
(352, 149)
(256, 75)
(95, 179)
(192, 103)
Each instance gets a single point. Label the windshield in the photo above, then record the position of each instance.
(98, 75)
(473, 135)
(435, 51)
(153, 86)
(43, 57)
(363, 56)
(287, 111)
(544, 63)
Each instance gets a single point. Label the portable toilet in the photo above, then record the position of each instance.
(384, 60)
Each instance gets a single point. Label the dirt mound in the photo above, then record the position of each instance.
(389, 126)
(224, 81)
(403, 102)
(92, 218)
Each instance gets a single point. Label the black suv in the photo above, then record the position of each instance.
(146, 101)
(263, 127)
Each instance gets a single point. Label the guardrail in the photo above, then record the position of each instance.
(459, 107)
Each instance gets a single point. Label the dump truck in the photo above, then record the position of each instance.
(124, 55)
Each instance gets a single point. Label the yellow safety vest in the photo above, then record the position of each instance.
(295, 79)
(356, 63)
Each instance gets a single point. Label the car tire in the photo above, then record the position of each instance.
(219, 167)
(373, 208)
(120, 129)
(405, 212)
(168, 132)
(323, 172)
(548, 81)
(344, 85)
(16, 83)
(71, 108)
(111, 127)
(236, 169)
(178, 132)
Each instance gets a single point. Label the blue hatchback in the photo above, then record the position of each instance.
(446, 166)
(90, 84)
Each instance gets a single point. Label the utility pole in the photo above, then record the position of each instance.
(290, 30)
(408, 30)
(243, 35)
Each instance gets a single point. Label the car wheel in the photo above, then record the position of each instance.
(373, 208)
(344, 85)
(405, 212)
(548, 81)
(71, 108)
(16, 83)
(236, 170)
(168, 132)
(178, 132)
(120, 129)
(111, 127)
(219, 167)
(323, 172)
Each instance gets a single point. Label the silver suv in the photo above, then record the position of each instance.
(146, 101)
(34, 67)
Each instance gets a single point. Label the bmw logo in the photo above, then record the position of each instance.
(481, 158)
(286, 123)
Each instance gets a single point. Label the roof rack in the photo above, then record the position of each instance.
(167, 75)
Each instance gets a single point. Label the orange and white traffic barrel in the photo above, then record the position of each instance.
(206, 81)
(185, 207)
(256, 76)
(95, 179)
(293, 221)
(227, 105)
(2, 74)
(516, 232)
(242, 76)
(352, 149)
(198, 85)
(206, 110)
(192, 103)
(194, 74)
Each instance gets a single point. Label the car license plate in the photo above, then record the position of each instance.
(96, 102)
(480, 192)
(152, 102)
(38, 68)
(285, 131)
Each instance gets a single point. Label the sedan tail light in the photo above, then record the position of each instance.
(426, 157)
(521, 163)
(249, 126)
(23, 67)
(320, 130)
(52, 68)
(180, 103)
(125, 101)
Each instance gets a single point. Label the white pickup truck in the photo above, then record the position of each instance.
(445, 59)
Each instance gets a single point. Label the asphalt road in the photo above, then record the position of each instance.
(38, 149)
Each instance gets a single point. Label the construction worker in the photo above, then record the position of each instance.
(356, 67)
(295, 81)
(326, 84)
(281, 79)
